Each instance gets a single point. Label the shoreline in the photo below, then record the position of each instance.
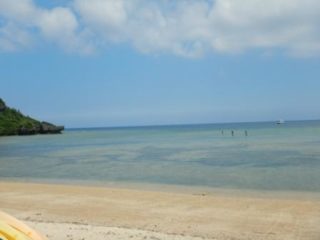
(158, 214)
(174, 188)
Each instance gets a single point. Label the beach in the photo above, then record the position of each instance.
(159, 120)
(62, 211)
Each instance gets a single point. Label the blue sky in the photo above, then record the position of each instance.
(102, 63)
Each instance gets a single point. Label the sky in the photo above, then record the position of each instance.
(99, 63)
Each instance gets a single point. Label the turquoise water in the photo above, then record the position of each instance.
(271, 157)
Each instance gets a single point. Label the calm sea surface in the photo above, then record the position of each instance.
(271, 157)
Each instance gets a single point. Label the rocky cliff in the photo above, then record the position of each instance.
(13, 122)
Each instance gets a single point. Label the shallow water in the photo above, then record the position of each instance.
(282, 157)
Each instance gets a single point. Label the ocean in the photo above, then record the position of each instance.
(257, 156)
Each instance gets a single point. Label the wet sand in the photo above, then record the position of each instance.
(87, 212)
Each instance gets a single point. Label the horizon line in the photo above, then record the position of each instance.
(187, 124)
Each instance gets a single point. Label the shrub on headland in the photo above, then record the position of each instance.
(13, 122)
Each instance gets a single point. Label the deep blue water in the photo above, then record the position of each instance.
(271, 157)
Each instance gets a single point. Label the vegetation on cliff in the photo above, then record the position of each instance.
(13, 122)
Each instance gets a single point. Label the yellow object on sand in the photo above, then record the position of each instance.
(13, 229)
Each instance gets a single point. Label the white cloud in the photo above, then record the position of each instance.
(189, 28)
(60, 26)
(20, 10)
(104, 14)
(285, 24)
(26, 20)
(13, 38)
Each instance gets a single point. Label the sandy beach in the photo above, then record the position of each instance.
(85, 212)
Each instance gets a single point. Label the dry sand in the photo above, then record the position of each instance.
(68, 212)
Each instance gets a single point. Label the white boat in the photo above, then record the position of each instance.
(281, 121)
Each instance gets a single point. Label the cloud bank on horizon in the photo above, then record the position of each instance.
(189, 28)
